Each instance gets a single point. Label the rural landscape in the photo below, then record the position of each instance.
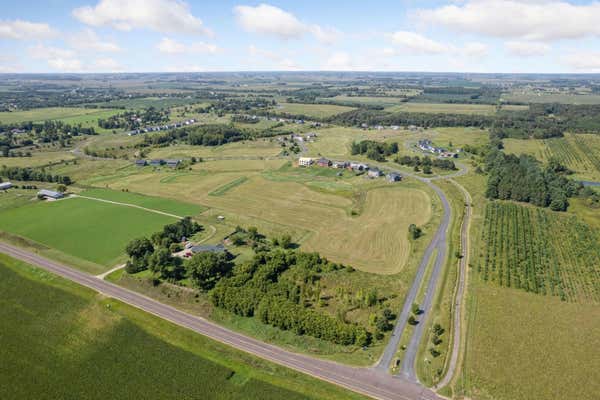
(327, 233)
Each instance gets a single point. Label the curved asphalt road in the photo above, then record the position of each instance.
(367, 381)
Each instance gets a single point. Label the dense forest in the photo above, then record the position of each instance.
(374, 150)
(523, 178)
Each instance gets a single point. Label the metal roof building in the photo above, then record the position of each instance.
(5, 185)
(51, 194)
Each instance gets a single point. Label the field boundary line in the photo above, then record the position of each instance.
(127, 205)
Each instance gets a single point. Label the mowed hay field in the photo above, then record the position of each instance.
(523, 346)
(315, 210)
(60, 341)
(444, 108)
(88, 229)
(375, 241)
(312, 110)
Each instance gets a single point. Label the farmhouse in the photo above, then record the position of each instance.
(374, 173)
(358, 166)
(323, 162)
(140, 163)
(172, 163)
(305, 161)
(393, 177)
(5, 185)
(340, 164)
(49, 194)
(219, 248)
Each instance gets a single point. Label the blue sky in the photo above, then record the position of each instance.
(173, 35)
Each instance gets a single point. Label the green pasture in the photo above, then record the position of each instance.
(88, 229)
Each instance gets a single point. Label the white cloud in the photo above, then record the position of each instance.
(268, 20)
(23, 30)
(107, 64)
(170, 46)
(527, 49)
(417, 43)
(277, 60)
(524, 19)
(59, 59)
(583, 61)
(475, 50)
(339, 61)
(89, 40)
(168, 16)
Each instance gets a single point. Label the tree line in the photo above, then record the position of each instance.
(522, 178)
(374, 150)
(426, 161)
(30, 174)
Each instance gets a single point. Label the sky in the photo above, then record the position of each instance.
(517, 36)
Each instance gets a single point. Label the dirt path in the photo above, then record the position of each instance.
(105, 274)
(460, 290)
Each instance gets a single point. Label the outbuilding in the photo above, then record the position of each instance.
(50, 194)
(5, 185)
(305, 161)
(393, 177)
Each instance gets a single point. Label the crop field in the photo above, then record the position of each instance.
(60, 340)
(564, 98)
(522, 346)
(38, 158)
(372, 101)
(579, 152)
(146, 102)
(540, 252)
(445, 108)
(257, 149)
(312, 110)
(154, 203)
(71, 115)
(91, 230)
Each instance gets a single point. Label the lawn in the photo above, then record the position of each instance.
(91, 230)
(155, 203)
(61, 340)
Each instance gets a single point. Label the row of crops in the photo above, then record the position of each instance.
(540, 251)
(587, 146)
(567, 154)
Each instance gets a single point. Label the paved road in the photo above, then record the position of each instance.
(460, 290)
(368, 381)
(437, 243)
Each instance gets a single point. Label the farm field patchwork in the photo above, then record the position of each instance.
(91, 230)
(445, 108)
(71, 115)
(62, 340)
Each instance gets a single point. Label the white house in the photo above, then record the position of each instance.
(305, 161)
(5, 185)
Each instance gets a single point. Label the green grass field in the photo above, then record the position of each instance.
(91, 230)
(154, 203)
(70, 115)
(61, 340)
(565, 98)
(312, 110)
(521, 346)
(450, 108)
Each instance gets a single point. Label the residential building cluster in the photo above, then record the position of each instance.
(427, 146)
(158, 162)
(371, 172)
(157, 128)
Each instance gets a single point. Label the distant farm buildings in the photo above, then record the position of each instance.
(158, 162)
(427, 146)
(161, 127)
(371, 172)
(49, 194)
(5, 185)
